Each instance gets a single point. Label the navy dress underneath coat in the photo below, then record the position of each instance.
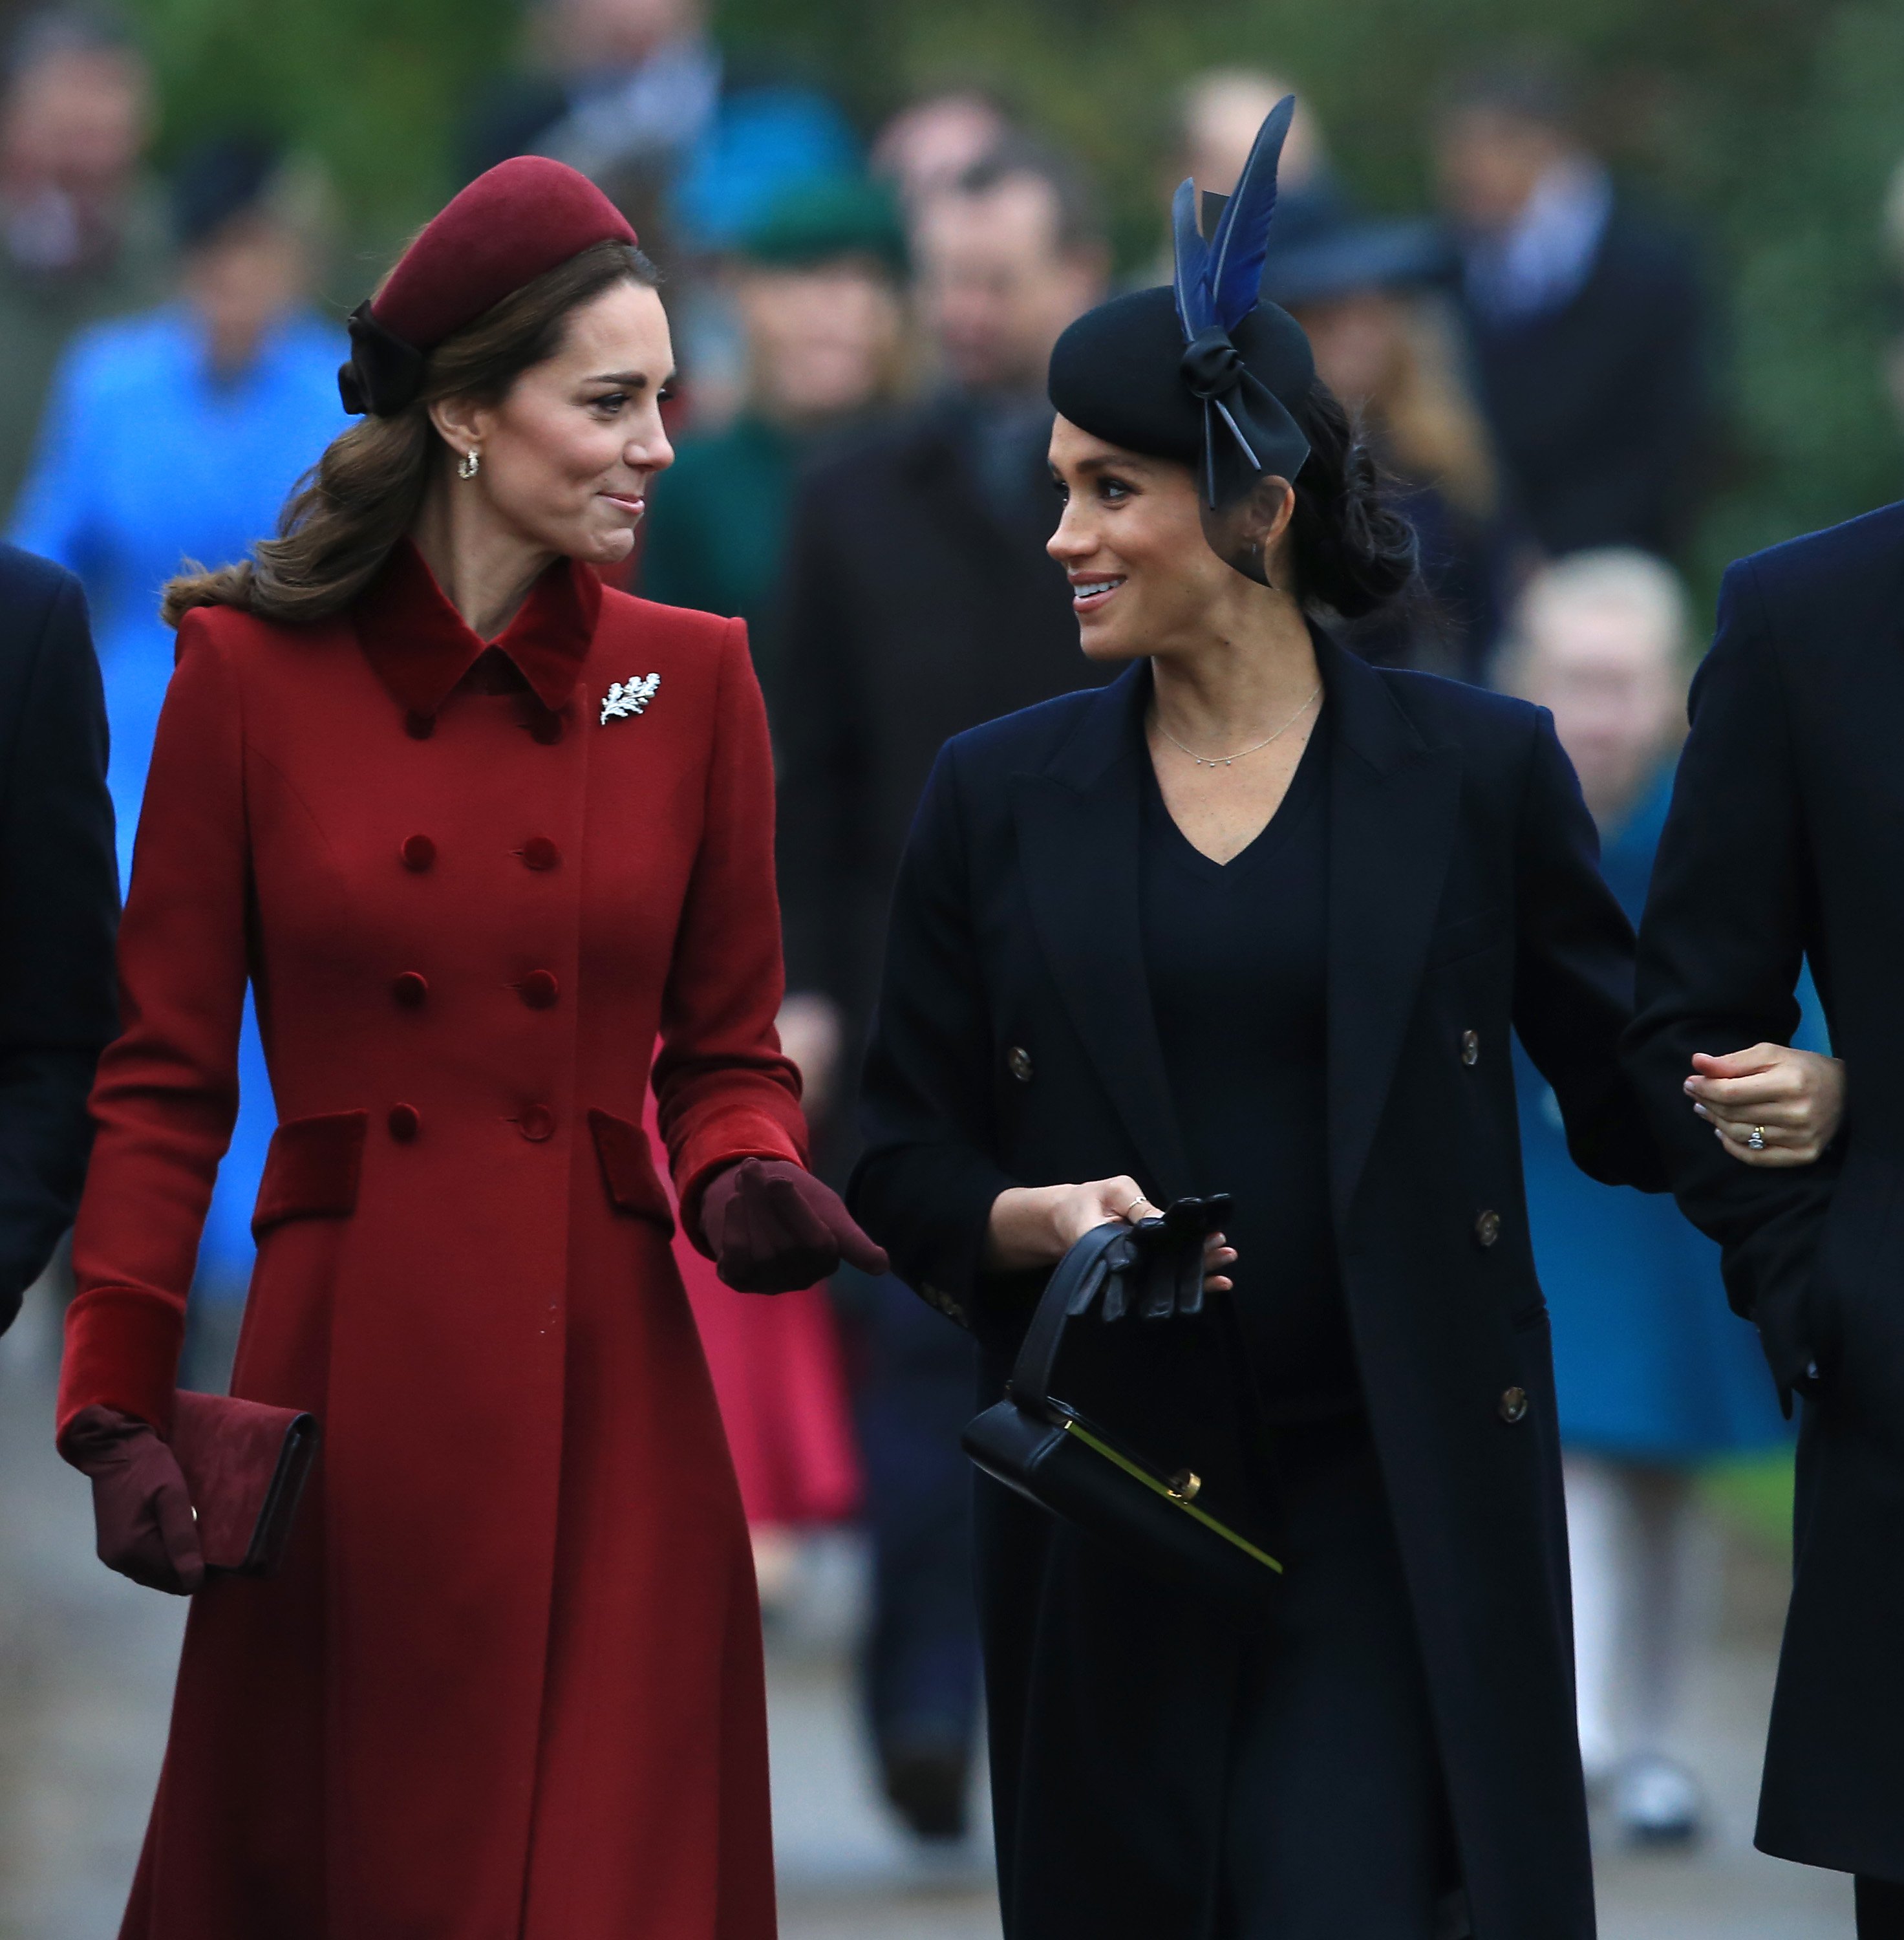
(1017, 1042)
(1650, 1363)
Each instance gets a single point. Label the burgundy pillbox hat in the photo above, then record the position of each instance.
(520, 219)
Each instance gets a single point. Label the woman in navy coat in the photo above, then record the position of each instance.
(1258, 918)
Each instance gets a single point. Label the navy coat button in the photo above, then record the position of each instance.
(1487, 1228)
(535, 1123)
(1018, 1062)
(540, 990)
(1513, 1406)
(546, 728)
(411, 988)
(419, 726)
(539, 852)
(405, 1121)
(419, 852)
(1470, 1047)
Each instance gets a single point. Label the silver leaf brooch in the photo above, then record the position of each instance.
(625, 698)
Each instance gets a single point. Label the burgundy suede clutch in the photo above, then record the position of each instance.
(245, 1464)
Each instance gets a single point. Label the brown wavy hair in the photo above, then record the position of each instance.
(347, 512)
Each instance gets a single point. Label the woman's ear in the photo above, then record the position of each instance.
(458, 423)
(1245, 532)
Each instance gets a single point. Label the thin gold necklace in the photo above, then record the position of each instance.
(1225, 761)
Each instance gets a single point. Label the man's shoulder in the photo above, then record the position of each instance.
(1858, 555)
(29, 584)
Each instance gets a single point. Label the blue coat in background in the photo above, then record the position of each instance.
(1650, 1363)
(145, 461)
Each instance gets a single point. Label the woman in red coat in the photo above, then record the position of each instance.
(477, 831)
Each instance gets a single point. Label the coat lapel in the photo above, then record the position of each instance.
(1392, 805)
(1078, 835)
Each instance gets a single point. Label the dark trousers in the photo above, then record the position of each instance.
(1881, 1909)
(920, 1668)
(1337, 1821)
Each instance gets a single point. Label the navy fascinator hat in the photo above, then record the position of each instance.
(1204, 372)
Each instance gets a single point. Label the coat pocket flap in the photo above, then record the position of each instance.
(627, 1170)
(312, 1169)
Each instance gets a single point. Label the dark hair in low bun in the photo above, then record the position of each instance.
(1353, 552)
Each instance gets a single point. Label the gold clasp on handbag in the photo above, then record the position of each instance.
(1184, 1485)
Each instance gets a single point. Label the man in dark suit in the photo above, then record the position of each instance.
(59, 905)
(1588, 320)
(918, 603)
(1785, 843)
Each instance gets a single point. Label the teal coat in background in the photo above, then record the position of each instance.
(718, 529)
(1650, 1363)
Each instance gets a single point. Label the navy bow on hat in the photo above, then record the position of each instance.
(1248, 432)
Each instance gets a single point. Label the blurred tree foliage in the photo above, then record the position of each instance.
(1773, 125)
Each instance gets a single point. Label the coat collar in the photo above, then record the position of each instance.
(1392, 804)
(420, 646)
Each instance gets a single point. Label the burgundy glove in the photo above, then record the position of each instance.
(140, 1508)
(775, 1228)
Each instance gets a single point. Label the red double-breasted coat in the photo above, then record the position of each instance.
(508, 1685)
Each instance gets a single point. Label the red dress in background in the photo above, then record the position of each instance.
(782, 1390)
(508, 1685)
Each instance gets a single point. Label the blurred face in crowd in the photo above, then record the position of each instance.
(1144, 579)
(824, 339)
(241, 280)
(1489, 161)
(925, 149)
(76, 122)
(1606, 663)
(620, 33)
(1221, 113)
(568, 453)
(996, 288)
(1356, 340)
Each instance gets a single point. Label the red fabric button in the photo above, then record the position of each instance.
(411, 989)
(405, 1121)
(419, 727)
(546, 728)
(540, 990)
(535, 1123)
(419, 851)
(539, 852)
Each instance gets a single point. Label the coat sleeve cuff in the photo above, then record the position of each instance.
(122, 1352)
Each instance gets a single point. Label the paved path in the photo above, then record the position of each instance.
(86, 1663)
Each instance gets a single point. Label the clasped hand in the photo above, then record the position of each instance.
(1793, 1101)
(1174, 1257)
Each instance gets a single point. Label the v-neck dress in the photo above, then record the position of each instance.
(1334, 1821)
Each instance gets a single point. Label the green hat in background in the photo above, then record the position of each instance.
(821, 221)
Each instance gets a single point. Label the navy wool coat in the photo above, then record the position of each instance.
(1015, 1043)
(1785, 842)
(59, 907)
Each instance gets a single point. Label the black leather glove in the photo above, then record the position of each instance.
(1157, 1269)
(142, 1510)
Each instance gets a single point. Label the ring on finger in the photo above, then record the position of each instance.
(1757, 1142)
(1141, 1199)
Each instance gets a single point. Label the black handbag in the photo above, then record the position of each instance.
(1040, 1446)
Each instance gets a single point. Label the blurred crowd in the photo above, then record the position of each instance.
(862, 320)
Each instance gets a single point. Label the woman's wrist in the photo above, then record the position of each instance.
(1021, 1232)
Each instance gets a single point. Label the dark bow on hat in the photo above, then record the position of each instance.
(1248, 433)
(384, 374)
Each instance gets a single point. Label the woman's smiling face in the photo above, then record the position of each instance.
(1131, 539)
